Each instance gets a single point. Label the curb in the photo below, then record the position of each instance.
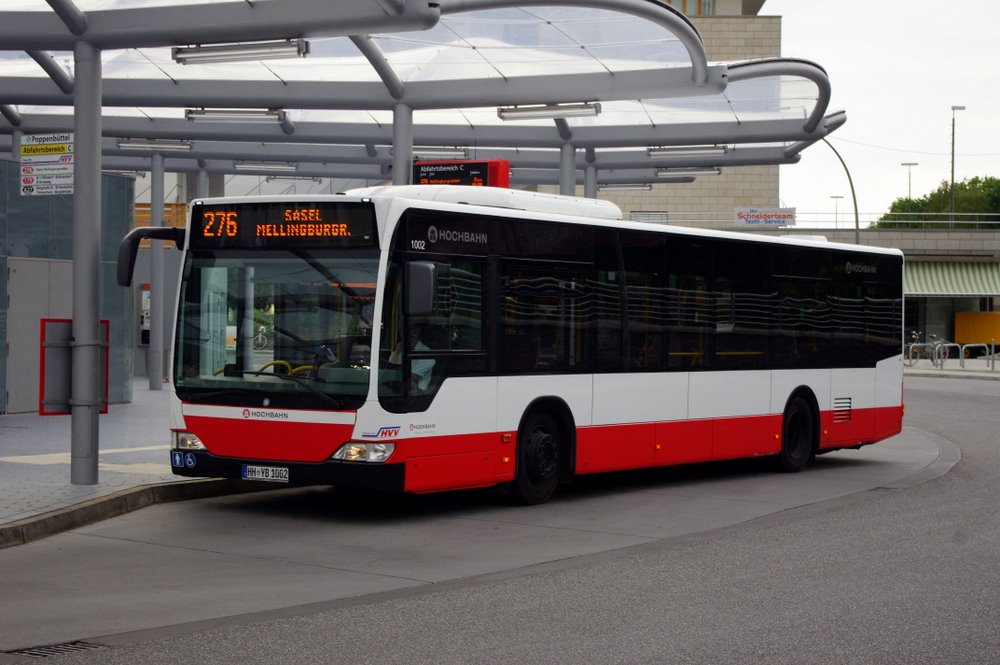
(121, 502)
(952, 374)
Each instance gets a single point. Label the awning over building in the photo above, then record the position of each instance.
(951, 278)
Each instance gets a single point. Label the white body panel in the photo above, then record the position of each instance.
(858, 384)
(783, 382)
(463, 405)
(517, 392)
(639, 398)
(728, 394)
(889, 382)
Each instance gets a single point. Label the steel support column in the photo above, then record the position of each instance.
(201, 186)
(567, 169)
(15, 145)
(590, 181)
(86, 366)
(154, 354)
(402, 144)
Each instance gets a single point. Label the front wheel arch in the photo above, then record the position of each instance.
(539, 467)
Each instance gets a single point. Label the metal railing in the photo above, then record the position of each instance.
(940, 352)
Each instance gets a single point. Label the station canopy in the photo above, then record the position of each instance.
(626, 85)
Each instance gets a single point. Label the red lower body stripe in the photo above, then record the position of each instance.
(482, 459)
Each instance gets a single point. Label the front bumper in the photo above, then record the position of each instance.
(351, 475)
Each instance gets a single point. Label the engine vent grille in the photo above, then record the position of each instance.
(842, 409)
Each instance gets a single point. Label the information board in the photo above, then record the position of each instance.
(47, 164)
(484, 173)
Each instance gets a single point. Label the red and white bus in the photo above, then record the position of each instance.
(429, 338)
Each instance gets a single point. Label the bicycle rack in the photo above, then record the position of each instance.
(938, 359)
(989, 350)
(913, 352)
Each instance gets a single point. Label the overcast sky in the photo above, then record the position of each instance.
(897, 67)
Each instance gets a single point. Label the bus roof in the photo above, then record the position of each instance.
(578, 209)
(498, 197)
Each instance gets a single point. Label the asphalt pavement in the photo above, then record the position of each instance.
(39, 500)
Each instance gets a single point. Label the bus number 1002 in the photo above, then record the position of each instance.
(222, 224)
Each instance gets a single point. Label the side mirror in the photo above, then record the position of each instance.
(129, 247)
(421, 283)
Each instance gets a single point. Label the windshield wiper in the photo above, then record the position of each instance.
(337, 404)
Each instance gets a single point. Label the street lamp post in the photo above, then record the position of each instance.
(909, 177)
(854, 195)
(953, 109)
(836, 202)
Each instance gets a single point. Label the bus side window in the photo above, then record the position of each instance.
(419, 351)
(390, 375)
(547, 319)
(645, 258)
(689, 317)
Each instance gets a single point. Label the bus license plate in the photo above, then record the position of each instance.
(271, 474)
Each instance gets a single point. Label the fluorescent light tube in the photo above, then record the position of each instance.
(548, 111)
(236, 115)
(440, 153)
(625, 188)
(689, 172)
(153, 144)
(265, 166)
(688, 151)
(188, 55)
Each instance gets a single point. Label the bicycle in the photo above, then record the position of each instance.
(260, 339)
(935, 350)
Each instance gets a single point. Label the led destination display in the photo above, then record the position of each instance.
(276, 225)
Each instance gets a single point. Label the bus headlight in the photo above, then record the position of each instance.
(364, 452)
(186, 441)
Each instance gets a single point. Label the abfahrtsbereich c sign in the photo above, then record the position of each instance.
(47, 164)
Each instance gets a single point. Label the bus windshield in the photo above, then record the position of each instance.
(279, 328)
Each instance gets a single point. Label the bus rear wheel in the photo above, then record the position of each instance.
(540, 450)
(799, 436)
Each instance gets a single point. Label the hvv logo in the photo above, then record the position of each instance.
(382, 433)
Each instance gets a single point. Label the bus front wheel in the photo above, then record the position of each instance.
(540, 449)
(799, 436)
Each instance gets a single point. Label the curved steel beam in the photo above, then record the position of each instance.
(70, 14)
(356, 157)
(373, 95)
(830, 123)
(381, 66)
(523, 137)
(55, 71)
(9, 112)
(146, 27)
(789, 67)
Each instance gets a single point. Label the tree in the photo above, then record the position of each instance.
(979, 197)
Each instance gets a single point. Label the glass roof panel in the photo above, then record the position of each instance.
(343, 116)
(498, 43)
(774, 97)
